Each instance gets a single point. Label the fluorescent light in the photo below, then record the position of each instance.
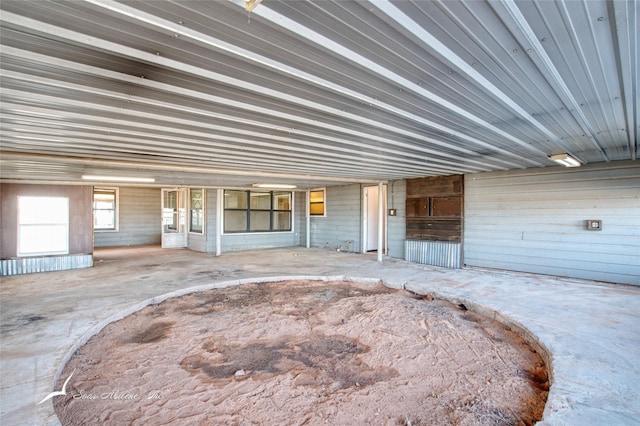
(118, 178)
(565, 159)
(274, 185)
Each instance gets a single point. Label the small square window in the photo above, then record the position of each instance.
(317, 199)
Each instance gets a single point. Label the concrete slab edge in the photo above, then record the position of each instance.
(530, 338)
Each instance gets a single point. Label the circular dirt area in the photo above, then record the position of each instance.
(303, 353)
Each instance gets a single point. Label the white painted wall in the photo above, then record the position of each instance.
(534, 221)
(342, 227)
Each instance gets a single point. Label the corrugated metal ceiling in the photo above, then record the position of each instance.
(314, 93)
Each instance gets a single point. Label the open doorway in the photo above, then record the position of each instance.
(371, 218)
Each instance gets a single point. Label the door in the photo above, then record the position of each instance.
(371, 218)
(174, 218)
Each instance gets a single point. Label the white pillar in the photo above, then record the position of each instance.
(219, 213)
(380, 220)
(308, 210)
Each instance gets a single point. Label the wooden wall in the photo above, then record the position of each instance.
(80, 212)
(434, 208)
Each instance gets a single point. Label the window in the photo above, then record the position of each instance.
(43, 226)
(196, 210)
(316, 202)
(105, 209)
(257, 211)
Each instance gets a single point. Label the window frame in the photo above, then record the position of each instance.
(323, 202)
(272, 211)
(116, 210)
(203, 213)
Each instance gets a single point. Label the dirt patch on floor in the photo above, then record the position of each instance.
(304, 352)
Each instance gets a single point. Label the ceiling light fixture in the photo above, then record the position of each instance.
(274, 185)
(118, 179)
(249, 5)
(565, 159)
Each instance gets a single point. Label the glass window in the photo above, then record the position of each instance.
(43, 225)
(235, 199)
(281, 221)
(282, 201)
(105, 209)
(316, 202)
(235, 221)
(260, 221)
(196, 209)
(257, 211)
(260, 200)
(170, 213)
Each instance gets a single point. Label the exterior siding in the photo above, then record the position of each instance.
(396, 225)
(535, 221)
(140, 219)
(341, 229)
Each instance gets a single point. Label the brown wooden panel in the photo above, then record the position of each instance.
(434, 229)
(418, 207)
(446, 206)
(435, 186)
(434, 208)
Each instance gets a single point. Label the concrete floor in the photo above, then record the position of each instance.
(590, 330)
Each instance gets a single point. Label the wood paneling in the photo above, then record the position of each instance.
(80, 214)
(435, 208)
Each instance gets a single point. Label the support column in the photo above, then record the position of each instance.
(219, 213)
(307, 201)
(380, 220)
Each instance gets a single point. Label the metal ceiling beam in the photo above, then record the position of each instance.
(37, 26)
(474, 163)
(212, 138)
(299, 144)
(551, 73)
(355, 57)
(626, 18)
(439, 49)
(318, 80)
(148, 166)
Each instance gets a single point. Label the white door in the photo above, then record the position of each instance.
(174, 218)
(371, 217)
